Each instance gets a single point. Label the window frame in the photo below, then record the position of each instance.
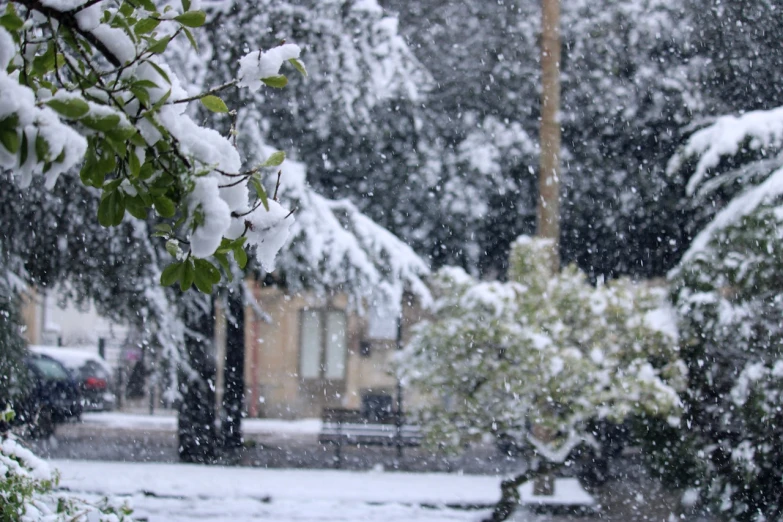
(323, 318)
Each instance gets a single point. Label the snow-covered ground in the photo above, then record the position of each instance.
(182, 492)
(167, 421)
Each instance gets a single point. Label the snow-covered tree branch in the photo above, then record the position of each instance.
(85, 83)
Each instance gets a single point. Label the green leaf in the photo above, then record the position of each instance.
(192, 40)
(222, 259)
(260, 191)
(147, 170)
(134, 165)
(172, 247)
(142, 95)
(298, 65)
(149, 5)
(214, 104)
(121, 134)
(72, 108)
(106, 163)
(172, 273)
(188, 275)
(211, 272)
(185, 5)
(192, 18)
(10, 140)
(202, 284)
(278, 82)
(10, 20)
(165, 207)
(112, 208)
(126, 9)
(275, 160)
(43, 63)
(102, 123)
(162, 101)
(205, 275)
(241, 257)
(146, 84)
(41, 148)
(159, 46)
(160, 71)
(90, 162)
(146, 25)
(136, 207)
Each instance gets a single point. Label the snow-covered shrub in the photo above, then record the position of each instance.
(27, 490)
(542, 356)
(727, 291)
(728, 299)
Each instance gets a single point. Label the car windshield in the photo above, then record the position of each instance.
(51, 370)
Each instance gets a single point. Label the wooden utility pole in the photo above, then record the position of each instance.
(548, 215)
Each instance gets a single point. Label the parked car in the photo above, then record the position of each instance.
(89, 370)
(53, 396)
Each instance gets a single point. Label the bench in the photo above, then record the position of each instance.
(345, 427)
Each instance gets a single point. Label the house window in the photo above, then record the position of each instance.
(323, 345)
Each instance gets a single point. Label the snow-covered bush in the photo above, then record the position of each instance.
(540, 357)
(728, 299)
(27, 490)
(84, 83)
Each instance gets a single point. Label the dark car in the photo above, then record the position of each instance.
(93, 381)
(53, 396)
(90, 372)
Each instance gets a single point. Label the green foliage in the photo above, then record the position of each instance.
(550, 351)
(112, 108)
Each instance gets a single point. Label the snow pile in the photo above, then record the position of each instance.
(215, 217)
(259, 65)
(32, 122)
(27, 488)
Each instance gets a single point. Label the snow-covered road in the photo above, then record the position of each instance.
(182, 492)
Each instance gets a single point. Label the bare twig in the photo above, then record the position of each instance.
(277, 185)
(213, 90)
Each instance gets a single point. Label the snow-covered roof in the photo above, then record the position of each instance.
(72, 357)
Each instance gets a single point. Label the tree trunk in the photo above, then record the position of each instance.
(509, 497)
(548, 215)
(234, 371)
(544, 484)
(196, 422)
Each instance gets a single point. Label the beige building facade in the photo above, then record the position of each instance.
(317, 353)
